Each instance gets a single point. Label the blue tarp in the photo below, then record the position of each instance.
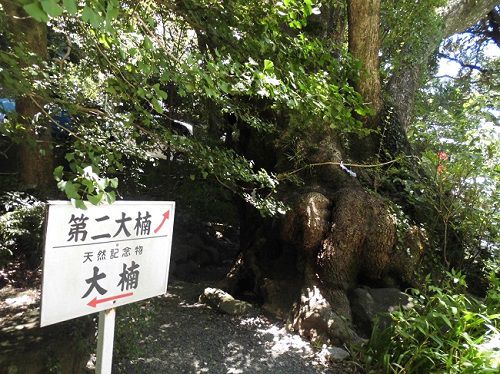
(7, 105)
(63, 117)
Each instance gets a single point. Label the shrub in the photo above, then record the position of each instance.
(444, 331)
(21, 228)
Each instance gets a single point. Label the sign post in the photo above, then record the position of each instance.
(103, 257)
(105, 336)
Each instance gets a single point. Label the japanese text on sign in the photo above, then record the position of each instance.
(104, 256)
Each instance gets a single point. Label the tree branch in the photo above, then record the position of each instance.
(463, 64)
(459, 15)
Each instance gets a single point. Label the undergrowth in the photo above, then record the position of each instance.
(442, 330)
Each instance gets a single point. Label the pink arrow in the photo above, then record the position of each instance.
(166, 215)
(93, 303)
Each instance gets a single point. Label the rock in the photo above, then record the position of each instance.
(172, 266)
(184, 252)
(203, 259)
(224, 302)
(196, 242)
(368, 303)
(337, 354)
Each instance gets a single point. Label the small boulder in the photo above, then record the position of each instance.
(224, 302)
(368, 303)
(338, 354)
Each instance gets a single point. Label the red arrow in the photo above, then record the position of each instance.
(93, 303)
(165, 217)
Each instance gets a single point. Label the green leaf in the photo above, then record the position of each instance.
(157, 106)
(58, 173)
(70, 6)
(113, 182)
(268, 65)
(109, 197)
(52, 8)
(89, 185)
(141, 92)
(69, 156)
(71, 190)
(159, 92)
(360, 111)
(162, 94)
(36, 11)
(148, 44)
(91, 16)
(96, 199)
(112, 11)
(79, 204)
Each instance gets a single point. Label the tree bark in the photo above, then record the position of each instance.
(364, 45)
(459, 15)
(35, 153)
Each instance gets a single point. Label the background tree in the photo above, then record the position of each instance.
(29, 39)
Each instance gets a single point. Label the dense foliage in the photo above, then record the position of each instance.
(127, 72)
(21, 222)
(442, 331)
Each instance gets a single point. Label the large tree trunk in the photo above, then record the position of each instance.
(35, 152)
(337, 233)
(303, 266)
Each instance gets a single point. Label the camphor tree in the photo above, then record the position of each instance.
(298, 104)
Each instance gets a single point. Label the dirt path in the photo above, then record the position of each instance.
(176, 334)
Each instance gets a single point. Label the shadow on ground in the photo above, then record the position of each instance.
(187, 337)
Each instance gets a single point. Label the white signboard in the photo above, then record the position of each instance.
(104, 256)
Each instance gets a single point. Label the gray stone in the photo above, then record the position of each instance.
(224, 302)
(181, 252)
(203, 259)
(368, 303)
(337, 354)
(208, 256)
